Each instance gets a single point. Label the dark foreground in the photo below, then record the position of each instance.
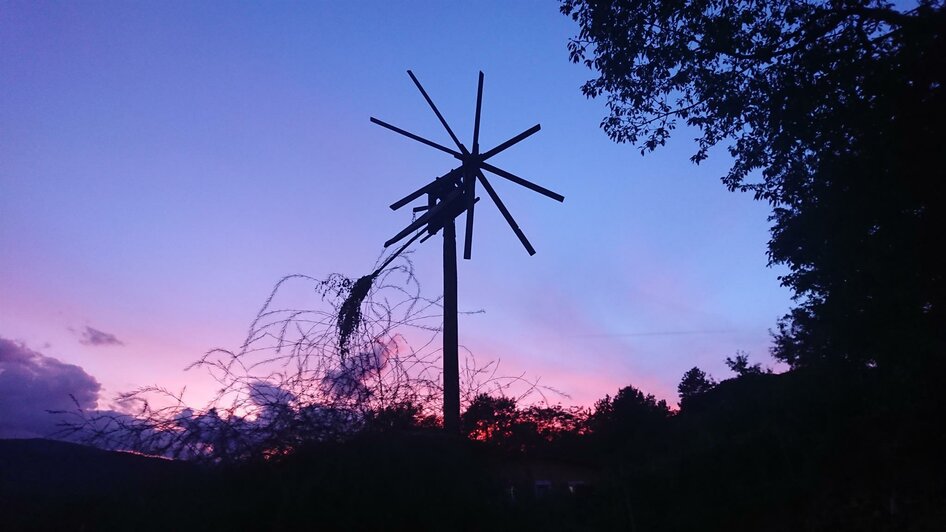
(798, 451)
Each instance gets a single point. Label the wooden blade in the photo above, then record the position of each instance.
(398, 252)
(468, 237)
(418, 138)
(502, 208)
(424, 218)
(470, 186)
(430, 102)
(433, 230)
(411, 197)
(476, 121)
(513, 141)
(451, 212)
(415, 225)
(422, 190)
(520, 181)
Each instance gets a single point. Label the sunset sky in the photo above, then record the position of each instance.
(163, 164)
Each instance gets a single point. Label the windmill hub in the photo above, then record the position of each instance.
(471, 165)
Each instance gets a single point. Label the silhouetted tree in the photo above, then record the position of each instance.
(739, 365)
(400, 417)
(498, 421)
(627, 419)
(554, 421)
(490, 418)
(834, 113)
(695, 382)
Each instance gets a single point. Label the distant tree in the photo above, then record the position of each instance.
(399, 417)
(490, 418)
(834, 112)
(629, 419)
(499, 422)
(552, 422)
(740, 365)
(634, 404)
(695, 382)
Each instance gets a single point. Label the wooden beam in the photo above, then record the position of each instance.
(451, 357)
(520, 181)
(513, 141)
(505, 212)
(430, 102)
(476, 121)
(418, 138)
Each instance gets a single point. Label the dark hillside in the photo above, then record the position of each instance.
(53, 485)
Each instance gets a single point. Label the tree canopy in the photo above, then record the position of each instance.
(695, 382)
(832, 111)
(740, 365)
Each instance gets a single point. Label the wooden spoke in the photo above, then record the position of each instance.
(418, 138)
(470, 187)
(425, 218)
(430, 102)
(515, 140)
(520, 181)
(476, 121)
(422, 190)
(505, 212)
(411, 197)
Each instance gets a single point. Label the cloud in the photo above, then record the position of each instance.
(265, 394)
(32, 383)
(93, 336)
(349, 378)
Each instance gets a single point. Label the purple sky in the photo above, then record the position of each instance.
(162, 165)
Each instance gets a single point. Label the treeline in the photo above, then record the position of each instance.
(824, 448)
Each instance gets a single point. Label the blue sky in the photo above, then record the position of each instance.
(162, 165)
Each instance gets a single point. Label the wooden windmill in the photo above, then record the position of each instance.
(449, 196)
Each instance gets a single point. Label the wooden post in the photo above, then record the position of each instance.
(451, 362)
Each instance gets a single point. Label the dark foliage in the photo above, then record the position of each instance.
(349, 313)
(739, 365)
(814, 450)
(834, 113)
(536, 430)
(693, 385)
(490, 418)
(628, 419)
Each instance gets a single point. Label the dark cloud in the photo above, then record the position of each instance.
(93, 336)
(348, 379)
(263, 393)
(32, 383)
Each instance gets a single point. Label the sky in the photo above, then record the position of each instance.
(162, 165)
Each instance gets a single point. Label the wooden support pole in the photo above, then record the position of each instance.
(451, 361)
